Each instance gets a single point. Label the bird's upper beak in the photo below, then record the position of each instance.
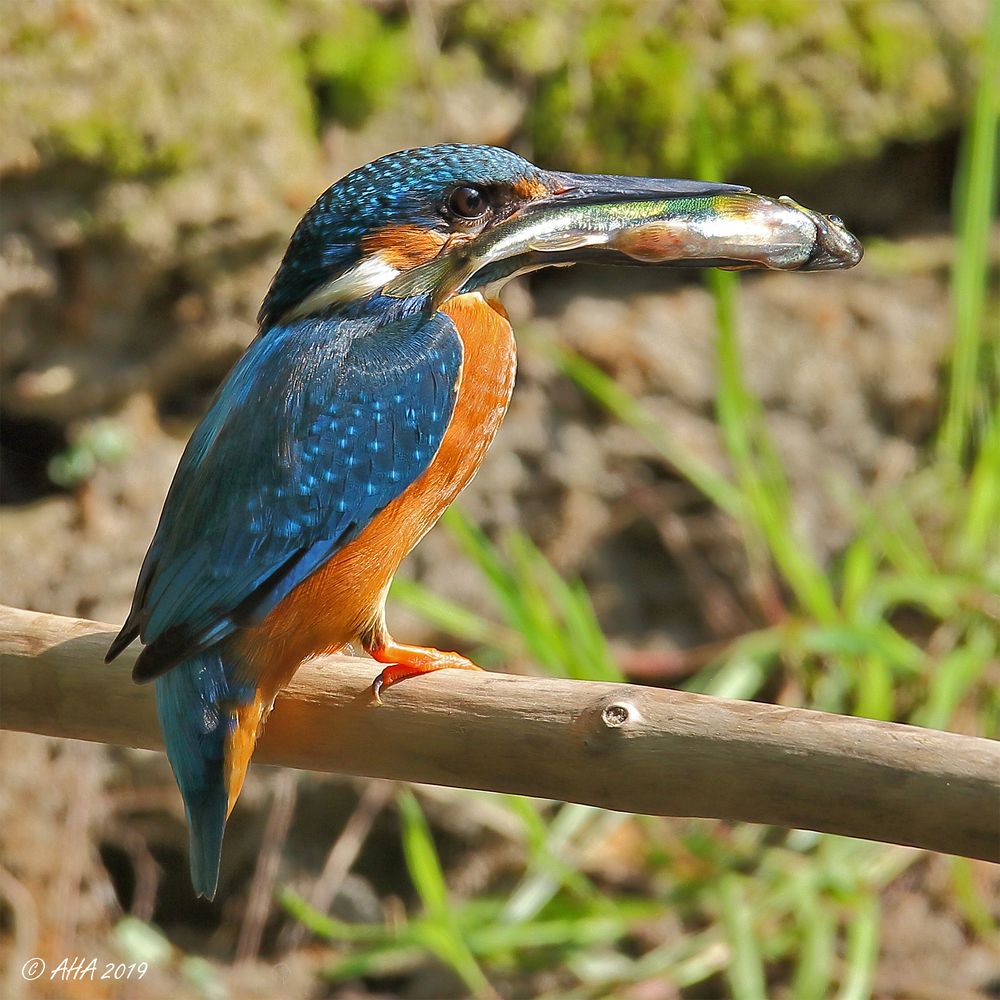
(633, 220)
(597, 189)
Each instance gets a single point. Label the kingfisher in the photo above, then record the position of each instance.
(381, 371)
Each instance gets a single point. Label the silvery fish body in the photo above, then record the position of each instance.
(734, 230)
(761, 232)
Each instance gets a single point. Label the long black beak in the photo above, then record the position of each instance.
(596, 189)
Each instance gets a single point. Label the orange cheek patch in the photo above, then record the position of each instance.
(529, 188)
(403, 247)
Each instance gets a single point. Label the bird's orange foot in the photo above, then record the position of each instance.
(410, 661)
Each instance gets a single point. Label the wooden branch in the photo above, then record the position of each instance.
(619, 746)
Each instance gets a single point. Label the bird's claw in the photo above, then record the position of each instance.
(401, 670)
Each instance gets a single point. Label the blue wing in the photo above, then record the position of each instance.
(319, 426)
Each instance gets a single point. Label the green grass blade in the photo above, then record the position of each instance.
(550, 642)
(570, 620)
(954, 675)
(551, 619)
(981, 525)
(977, 911)
(818, 944)
(740, 677)
(892, 530)
(327, 927)
(747, 664)
(449, 616)
(758, 468)
(857, 575)
(474, 543)
(439, 933)
(572, 931)
(548, 872)
(759, 471)
(975, 205)
(630, 411)
(746, 967)
(861, 954)
(938, 594)
(421, 856)
(386, 960)
(450, 948)
(875, 698)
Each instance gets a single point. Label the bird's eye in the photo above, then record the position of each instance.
(468, 203)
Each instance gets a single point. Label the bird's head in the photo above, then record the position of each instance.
(424, 224)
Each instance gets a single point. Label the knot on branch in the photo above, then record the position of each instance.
(608, 720)
(618, 714)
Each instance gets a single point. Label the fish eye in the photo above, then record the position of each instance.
(836, 220)
(468, 202)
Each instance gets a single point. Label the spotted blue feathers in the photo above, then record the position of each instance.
(319, 426)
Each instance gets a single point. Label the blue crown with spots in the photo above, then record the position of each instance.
(404, 188)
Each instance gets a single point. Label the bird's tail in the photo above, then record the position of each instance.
(209, 727)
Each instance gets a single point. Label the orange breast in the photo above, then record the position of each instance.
(345, 597)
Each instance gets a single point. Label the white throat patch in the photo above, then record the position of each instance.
(367, 276)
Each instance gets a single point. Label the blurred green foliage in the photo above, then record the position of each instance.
(621, 85)
(358, 63)
(149, 87)
(610, 84)
(102, 441)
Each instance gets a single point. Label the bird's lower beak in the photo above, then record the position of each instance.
(631, 220)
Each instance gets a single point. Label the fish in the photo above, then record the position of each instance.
(771, 233)
(733, 230)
